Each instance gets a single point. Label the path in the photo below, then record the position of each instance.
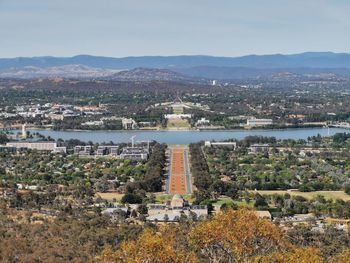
(179, 181)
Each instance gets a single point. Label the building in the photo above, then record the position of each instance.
(178, 116)
(134, 153)
(129, 124)
(107, 150)
(92, 123)
(220, 144)
(40, 146)
(55, 116)
(259, 122)
(175, 209)
(202, 121)
(7, 149)
(83, 150)
(258, 148)
(60, 150)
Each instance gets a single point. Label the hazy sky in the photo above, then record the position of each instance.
(172, 27)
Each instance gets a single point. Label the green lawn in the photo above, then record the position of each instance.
(308, 195)
(178, 124)
(178, 110)
(229, 201)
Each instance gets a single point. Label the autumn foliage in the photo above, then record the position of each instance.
(234, 236)
(230, 236)
(151, 246)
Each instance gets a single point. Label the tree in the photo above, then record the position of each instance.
(131, 198)
(151, 246)
(233, 236)
(260, 201)
(347, 189)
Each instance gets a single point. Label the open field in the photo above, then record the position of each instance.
(308, 195)
(229, 201)
(178, 124)
(110, 196)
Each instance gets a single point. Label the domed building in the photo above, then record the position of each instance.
(177, 201)
(174, 209)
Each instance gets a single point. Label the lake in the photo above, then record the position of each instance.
(185, 137)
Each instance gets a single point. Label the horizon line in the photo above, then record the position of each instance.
(179, 55)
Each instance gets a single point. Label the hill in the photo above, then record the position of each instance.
(177, 68)
(305, 60)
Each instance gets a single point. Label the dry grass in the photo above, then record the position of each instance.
(308, 195)
(110, 196)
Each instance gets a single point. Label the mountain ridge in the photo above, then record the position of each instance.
(306, 59)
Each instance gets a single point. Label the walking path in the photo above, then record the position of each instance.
(179, 181)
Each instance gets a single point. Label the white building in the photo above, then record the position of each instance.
(40, 146)
(83, 150)
(92, 123)
(220, 144)
(202, 121)
(174, 210)
(178, 116)
(134, 153)
(259, 148)
(129, 124)
(112, 150)
(259, 122)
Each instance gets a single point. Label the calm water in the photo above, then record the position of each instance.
(185, 137)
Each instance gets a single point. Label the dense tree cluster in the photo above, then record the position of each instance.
(313, 165)
(63, 239)
(152, 180)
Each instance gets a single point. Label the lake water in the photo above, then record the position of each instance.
(185, 137)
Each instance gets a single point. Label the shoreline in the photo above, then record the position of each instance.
(184, 130)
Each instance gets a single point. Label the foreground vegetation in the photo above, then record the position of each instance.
(231, 236)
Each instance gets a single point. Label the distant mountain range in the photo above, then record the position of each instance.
(181, 68)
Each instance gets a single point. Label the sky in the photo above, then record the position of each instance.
(120, 28)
